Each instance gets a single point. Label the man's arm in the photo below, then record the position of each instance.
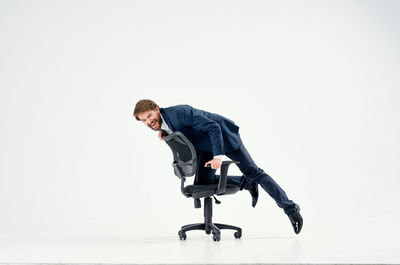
(212, 128)
(204, 124)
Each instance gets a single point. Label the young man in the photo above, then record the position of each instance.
(214, 136)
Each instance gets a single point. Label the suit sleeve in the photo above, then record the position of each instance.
(204, 124)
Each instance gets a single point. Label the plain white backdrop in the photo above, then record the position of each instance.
(313, 85)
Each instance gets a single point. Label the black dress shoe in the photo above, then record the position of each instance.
(254, 193)
(296, 219)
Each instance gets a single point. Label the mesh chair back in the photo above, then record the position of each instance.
(185, 160)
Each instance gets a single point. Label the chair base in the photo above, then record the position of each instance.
(208, 226)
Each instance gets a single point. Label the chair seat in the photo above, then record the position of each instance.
(201, 191)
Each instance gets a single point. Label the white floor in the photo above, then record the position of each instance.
(356, 244)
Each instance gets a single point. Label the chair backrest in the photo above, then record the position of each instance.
(185, 159)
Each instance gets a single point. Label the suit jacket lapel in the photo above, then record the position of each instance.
(166, 119)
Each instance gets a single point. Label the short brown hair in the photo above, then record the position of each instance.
(144, 105)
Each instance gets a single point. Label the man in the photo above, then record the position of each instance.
(214, 136)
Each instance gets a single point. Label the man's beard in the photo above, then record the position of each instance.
(158, 120)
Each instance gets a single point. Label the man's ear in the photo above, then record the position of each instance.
(158, 109)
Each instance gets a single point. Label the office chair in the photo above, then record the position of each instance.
(185, 165)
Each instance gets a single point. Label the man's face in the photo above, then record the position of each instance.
(151, 118)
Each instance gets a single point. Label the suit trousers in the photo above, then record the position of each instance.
(251, 173)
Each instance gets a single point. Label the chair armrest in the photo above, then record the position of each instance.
(223, 177)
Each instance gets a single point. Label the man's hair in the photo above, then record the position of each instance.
(144, 105)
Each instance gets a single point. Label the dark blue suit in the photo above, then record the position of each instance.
(213, 134)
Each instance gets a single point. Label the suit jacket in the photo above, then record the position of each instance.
(207, 131)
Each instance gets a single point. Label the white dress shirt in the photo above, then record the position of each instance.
(164, 125)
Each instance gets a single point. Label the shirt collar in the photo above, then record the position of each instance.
(164, 125)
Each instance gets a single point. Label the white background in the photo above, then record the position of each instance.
(313, 85)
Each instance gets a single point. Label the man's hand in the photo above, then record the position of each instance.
(160, 135)
(215, 163)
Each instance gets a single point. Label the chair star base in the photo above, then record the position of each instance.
(208, 226)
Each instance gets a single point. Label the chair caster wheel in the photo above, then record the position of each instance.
(208, 232)
(238, 234)
(182, 235)
(216, 236)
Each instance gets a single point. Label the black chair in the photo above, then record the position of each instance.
(185, 165)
